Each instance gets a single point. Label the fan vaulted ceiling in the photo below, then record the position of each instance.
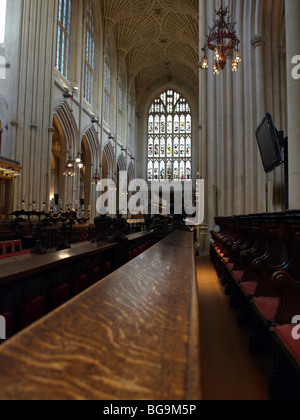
(158, 39)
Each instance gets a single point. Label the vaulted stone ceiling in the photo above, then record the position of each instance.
(159, 39)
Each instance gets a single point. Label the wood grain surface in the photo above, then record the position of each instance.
(133, 336)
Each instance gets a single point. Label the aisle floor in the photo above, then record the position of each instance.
(229, 371)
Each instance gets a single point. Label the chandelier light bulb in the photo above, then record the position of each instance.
(238, 56)
(234, 65)
(204, 64)
(217, 54)
(216, 69)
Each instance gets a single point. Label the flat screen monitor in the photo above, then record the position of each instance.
(269, 145)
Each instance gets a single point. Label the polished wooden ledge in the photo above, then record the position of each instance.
(133, 336)
(14, 268)
(19, 267)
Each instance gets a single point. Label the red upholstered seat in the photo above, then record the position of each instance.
(230, 266)
(284, 335)
(32, 309)
(2, 248)
(18, 246)
(249, 288)
(266, 307)
(107, 269)
(95, 276)
(134, 253)
(9, 247)
(60, 294)
(9, 323)
(79, 284)
(130, 255)
(238, 275)
(140, 250)
(226, 260)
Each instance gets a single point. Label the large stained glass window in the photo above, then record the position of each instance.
(63, 36)
(170, 138)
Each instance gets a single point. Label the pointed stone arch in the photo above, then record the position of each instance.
(122, 163)
(68, 127)
(131, 172)
(108, 161)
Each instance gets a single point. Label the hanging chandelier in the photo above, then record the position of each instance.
(70, 168)
(223, 41)
(96, 178)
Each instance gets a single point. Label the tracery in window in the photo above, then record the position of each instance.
(89, 55)
(63, 36)
(107, 85)
(170, 138)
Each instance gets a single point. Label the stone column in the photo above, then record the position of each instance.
(258, 43)
(33, 101)
(292, 12)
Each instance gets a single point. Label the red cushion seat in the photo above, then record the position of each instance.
(60, 294)
(230, 266)
(107, 269)
(32, 309)
(79, 284)
(238, 275)
(9, 247)
(249, 288)
(95, 276)
(17, 245)
(266, 307)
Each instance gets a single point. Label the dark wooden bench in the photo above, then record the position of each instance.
(257, 259)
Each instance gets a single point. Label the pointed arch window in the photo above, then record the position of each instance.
(120, 109)
(63, 36)
(107, 85)
(170, 138)
(89, 55)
